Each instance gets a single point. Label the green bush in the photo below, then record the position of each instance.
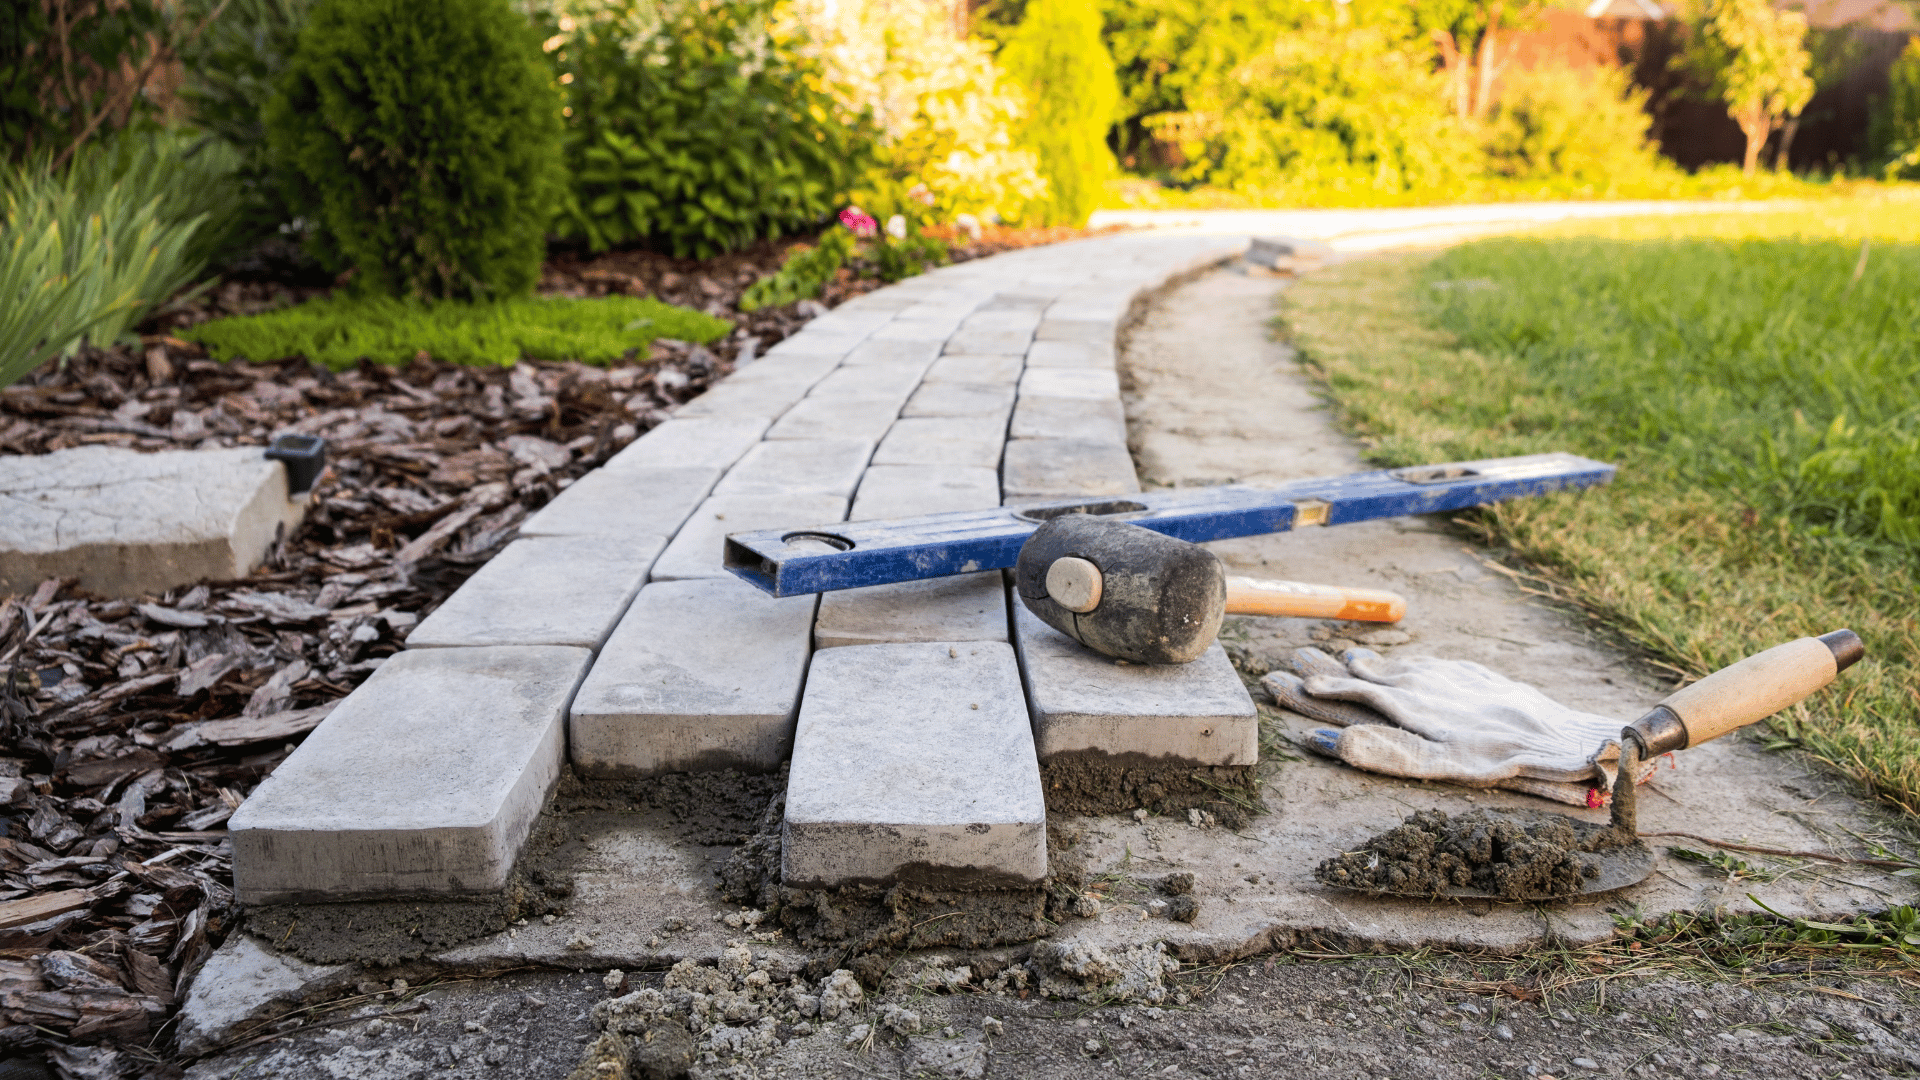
(1894, 127)
(86, 251)
(801, 277)
(341, 330)
(421, 138)
(231, 72)
(698, 126)
(76, 70)
(1072, 99)
(1581, 127)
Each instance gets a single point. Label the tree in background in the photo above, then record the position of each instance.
(1757, 61)
(1894, 131)
(423, 139)
(1467, 35)
(1057, 57)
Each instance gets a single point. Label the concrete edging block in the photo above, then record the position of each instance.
(551, 590)
(696, 549)
(914, 762)
(423, 781)
(644, 500)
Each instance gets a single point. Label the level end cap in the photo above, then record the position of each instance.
(1846, 646)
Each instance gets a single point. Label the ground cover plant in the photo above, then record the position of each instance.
(339, 330)
(1754, 376)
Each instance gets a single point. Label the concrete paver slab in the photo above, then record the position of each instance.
(999, 342)
(557, 590)
(128, 524)
(1070, 354)
(1059, 382)
(425, 780)
(959, 399)
(837, 417)
(930, 332)
(960, 368)
(914, 762)
(713, 442)
(820, 343)
(920, 351)
(645, 500)
(1068, 418)
(1086, 705)
(786, 367)
(696, 550)
(892, 381)
(1095, 330)
(966, 607)
(943, 440)
(891, 491)
(1003, 314)
(700, 675)
(1066, 467)
(766, 398)
(798, 467)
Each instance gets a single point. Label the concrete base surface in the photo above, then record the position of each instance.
(644, 893)
(130, 524)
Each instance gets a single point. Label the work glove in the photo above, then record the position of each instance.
(1452, 720)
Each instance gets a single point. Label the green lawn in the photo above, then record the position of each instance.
(1758, 383)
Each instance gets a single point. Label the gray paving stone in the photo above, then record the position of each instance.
(128, 524)
(819, 343)
(712, 442)
(786, 367)
(767, 398)
(975, 369)
(1091, 384)
(888, 300)
(1070, 354)
(890, 491)
(643, 500)
(889, 382)
(1003, 316)
(1066, 467)
(1084, 703)
(831, 417)
(1068, 418)
(959, 399)
(943, 440)
(1098, 330)
(940, 310)
(543, 590)
(914, 762)
(798, 467)
(934, 331)
(965, 607)
(700, 675)
(844, 320)
(892, 351)
(424, 781)
(696, 550)
(990, 342)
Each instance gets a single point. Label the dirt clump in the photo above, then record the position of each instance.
(1092, 784)
(1433, 852)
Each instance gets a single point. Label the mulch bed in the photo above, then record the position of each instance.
(131, 729)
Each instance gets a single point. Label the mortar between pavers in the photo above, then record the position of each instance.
(699, 676)
(129, 524)
(557, 590)
(944, 440)
(1066, 467)
(828, 417)
(1085, 702)
(423, 781)
(914, 762)
(798, 467)
(696, 550)
(644, 500)
(710, 442)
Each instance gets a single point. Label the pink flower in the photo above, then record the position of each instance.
(856, 219)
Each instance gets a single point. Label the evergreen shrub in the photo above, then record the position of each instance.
(421, 140)
(1072, 99)
(696, 126)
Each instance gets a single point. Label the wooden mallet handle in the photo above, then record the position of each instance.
(1253, 596)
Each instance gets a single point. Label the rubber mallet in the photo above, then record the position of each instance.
(1149, 598)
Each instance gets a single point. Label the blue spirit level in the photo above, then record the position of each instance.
(852, 554)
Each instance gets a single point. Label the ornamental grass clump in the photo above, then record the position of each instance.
(420, 139)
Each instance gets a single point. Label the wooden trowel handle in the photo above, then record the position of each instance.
(1739, 694)
(1253, 596)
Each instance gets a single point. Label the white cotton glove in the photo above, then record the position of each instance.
(1453, 720)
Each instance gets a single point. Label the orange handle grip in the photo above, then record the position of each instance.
(1253, 596)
